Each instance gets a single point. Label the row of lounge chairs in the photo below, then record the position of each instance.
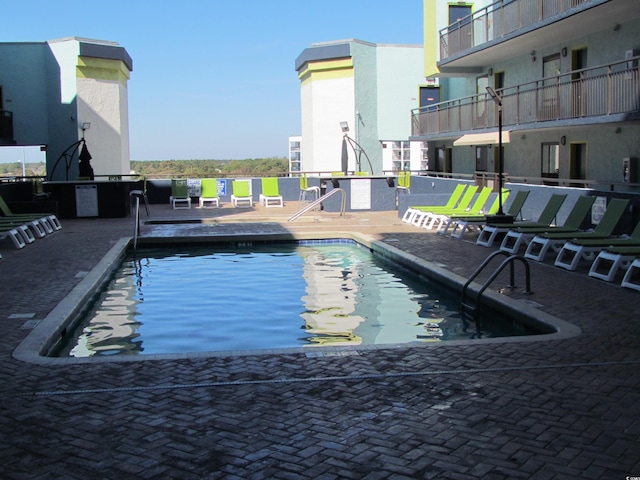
(241, 196)
(571, 244)
(24, 228)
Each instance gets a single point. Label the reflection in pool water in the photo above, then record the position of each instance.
(265, 296)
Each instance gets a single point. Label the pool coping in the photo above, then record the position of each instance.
(55, 325)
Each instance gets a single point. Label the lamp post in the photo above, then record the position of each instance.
(498, 99)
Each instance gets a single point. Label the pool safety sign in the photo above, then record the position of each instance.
(598, 209)
(195, 187)
(222, 188)
(87, 200)
(361, 194)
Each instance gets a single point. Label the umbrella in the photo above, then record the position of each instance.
(345, 155)
(84, 167)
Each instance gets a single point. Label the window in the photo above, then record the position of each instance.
(550, 160)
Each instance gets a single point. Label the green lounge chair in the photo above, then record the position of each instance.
(575, 250)
(464, 223)
(41, 223)
(632, 277)
(611, 259)
(18, 233)
(543, 242)
(453, 200)
(209, 193)
(490, 232)
(270, 196)
(463, 204)
(523, 235)
(180, 194)
(241, 194)
(433, 219)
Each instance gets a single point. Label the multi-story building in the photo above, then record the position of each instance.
(560, 76)
(364, 91)
(295, 153)
(53, 94)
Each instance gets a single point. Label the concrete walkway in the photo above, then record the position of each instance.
(547, 409)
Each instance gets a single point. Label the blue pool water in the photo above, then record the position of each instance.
(265, 296)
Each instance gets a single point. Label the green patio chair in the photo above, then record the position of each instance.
(241, 193)
(209, 193)
(465, 223)
(180, 194)
(270, 196)
(453, 200)
(434, 218)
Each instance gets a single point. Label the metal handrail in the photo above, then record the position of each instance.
(591, 92)
(136, 224)
(315, 203)
(508, 261)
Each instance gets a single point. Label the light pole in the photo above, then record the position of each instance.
(498, 99)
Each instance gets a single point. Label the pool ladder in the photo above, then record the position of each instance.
(470, 307)
(136, 222)
(315, 203)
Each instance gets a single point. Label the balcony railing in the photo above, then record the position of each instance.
(592, 92)
(497, 20)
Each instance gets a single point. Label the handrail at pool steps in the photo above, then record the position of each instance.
(343, 204)
(136, 222)
(466, 307)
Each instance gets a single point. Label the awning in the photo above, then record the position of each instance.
(490, 138)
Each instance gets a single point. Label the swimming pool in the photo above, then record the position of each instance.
(57, 327)
(266, 295)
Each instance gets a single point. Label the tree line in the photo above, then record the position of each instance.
(14, 169)
(254, 167)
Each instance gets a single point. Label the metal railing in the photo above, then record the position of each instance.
(474, 308)
(497, 20)
(315, 203)
(597, 91)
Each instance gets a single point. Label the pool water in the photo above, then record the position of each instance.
(266, 296)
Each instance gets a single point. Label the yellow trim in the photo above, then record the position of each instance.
(431, 39)
(102, 69)
(327, 70)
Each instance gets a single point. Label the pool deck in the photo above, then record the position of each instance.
(549, 409)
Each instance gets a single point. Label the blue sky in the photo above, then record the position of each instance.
(213, 79)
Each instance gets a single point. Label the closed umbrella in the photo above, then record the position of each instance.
(345, 156)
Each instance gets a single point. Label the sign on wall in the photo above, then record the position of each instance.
(87, 200)
(361, 194)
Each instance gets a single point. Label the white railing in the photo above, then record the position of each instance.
(597, 91)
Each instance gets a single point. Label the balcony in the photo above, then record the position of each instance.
(6, 128)
(510, 28)
(607, 93)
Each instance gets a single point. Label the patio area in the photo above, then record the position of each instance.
(544, 409)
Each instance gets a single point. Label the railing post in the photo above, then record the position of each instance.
(609, 90)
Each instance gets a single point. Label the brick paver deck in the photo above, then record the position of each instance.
(558, 409)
